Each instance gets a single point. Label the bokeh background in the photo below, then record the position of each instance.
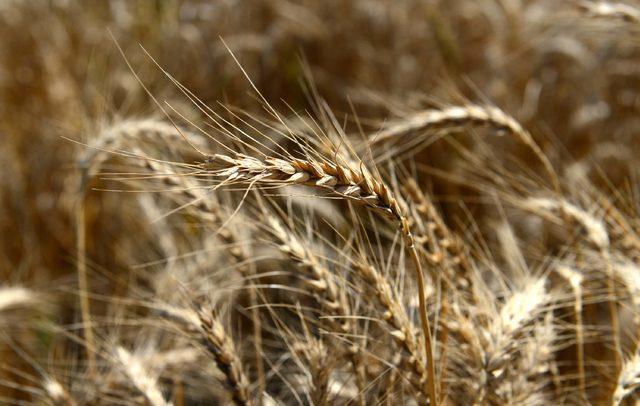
(567, 71)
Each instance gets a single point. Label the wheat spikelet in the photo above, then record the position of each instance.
(11, 296)
(140, 378)
(628, 380)
(57, 393)
(611, 10)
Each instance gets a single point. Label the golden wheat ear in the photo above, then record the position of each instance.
(348, 183)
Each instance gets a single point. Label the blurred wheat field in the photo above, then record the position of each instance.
(283, 202)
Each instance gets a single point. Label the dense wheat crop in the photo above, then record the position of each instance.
(319, 202)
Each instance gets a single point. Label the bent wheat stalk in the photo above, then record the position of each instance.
(341, 180)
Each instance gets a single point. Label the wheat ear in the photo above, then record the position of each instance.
(348, 183)
(323, 285)
(394, 315)
(453, 116)
(596, 234)
(518, 312)
(221, 347)
(457, 116)
(443, 248)
(131, 132)
(318, 359)
(490, 344)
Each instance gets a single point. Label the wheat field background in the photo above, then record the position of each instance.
(319, 202)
